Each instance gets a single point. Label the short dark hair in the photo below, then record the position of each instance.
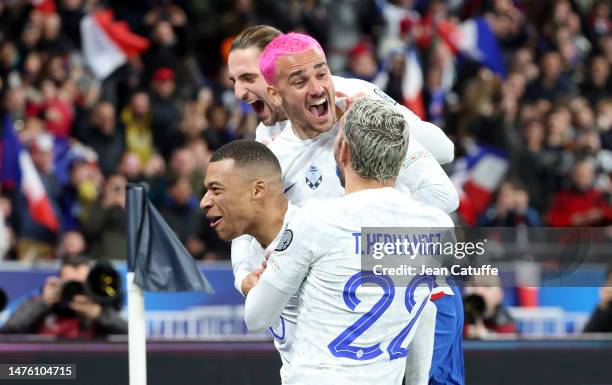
(255, 36)
(248, 153)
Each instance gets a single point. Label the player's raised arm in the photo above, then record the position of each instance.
(286, 269)
(426, 180)
(428, 134)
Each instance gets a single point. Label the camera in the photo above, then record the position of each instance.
(102, 286)
(474, 307)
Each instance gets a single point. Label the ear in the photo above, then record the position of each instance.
(258, 189)
(274, 95)
(344, 154)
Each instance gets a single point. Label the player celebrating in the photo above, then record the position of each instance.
(305, 155)
(245, 196)
(348, 331)
(251, 87)
(305, 148)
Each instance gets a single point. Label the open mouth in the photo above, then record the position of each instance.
(214, 220)
(319, 108)
(258, 106)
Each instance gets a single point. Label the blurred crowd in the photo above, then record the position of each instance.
(158, 118)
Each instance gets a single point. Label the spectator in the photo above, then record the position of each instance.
(55, 313)
(104, 225)
(598, 85)
(362, 62)
(53, 41)
(510, 208)
(580, 204)
(136, 118)
(218, 133)
(36, 241)
(601, 319)
(553, 84)
(71, 12)
(603, 122)
(81, 192)
(165, 115)
(72, 245)
(534, 165)
(485, 312)
(166, 49)
(55, 109)
(105, 137)
(131, 168)
(183, 164)
(179, 209)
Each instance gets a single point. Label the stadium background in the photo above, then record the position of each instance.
(526, 99)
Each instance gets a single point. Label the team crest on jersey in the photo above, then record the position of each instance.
(285, 240)
(314, 177)
(384, 96)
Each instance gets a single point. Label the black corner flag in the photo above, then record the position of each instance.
(157, 258)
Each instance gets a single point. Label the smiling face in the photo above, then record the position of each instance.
(250, 86)
(305, 86)
(227, 202)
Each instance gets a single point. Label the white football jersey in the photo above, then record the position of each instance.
(283, 330)
(352, 328)
(308, 166)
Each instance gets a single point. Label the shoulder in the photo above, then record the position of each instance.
(284, 140)
(351, 86)
(265, 133)
(315, 214)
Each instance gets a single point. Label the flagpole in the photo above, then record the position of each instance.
(137, 343)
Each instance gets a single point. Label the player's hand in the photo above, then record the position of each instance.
(344, 101)
(251, 280)
(51, 291)
(85, 307)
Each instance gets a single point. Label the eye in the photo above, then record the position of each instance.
(299, 83)
(322, 75)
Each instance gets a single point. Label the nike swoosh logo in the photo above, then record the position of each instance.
(289, 188)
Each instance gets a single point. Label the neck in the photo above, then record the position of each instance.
(355, 183)
(304, 133)
(270, 219)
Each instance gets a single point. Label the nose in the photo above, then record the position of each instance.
(315, 88)
(206, 202)
(239, 91)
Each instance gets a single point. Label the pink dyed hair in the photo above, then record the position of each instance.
(283, 45)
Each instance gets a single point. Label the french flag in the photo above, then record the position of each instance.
(476, 40)
(17, 170)
(476, 177)
(412, 84)
(107, 44)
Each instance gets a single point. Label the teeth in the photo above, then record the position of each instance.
(319, 102)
